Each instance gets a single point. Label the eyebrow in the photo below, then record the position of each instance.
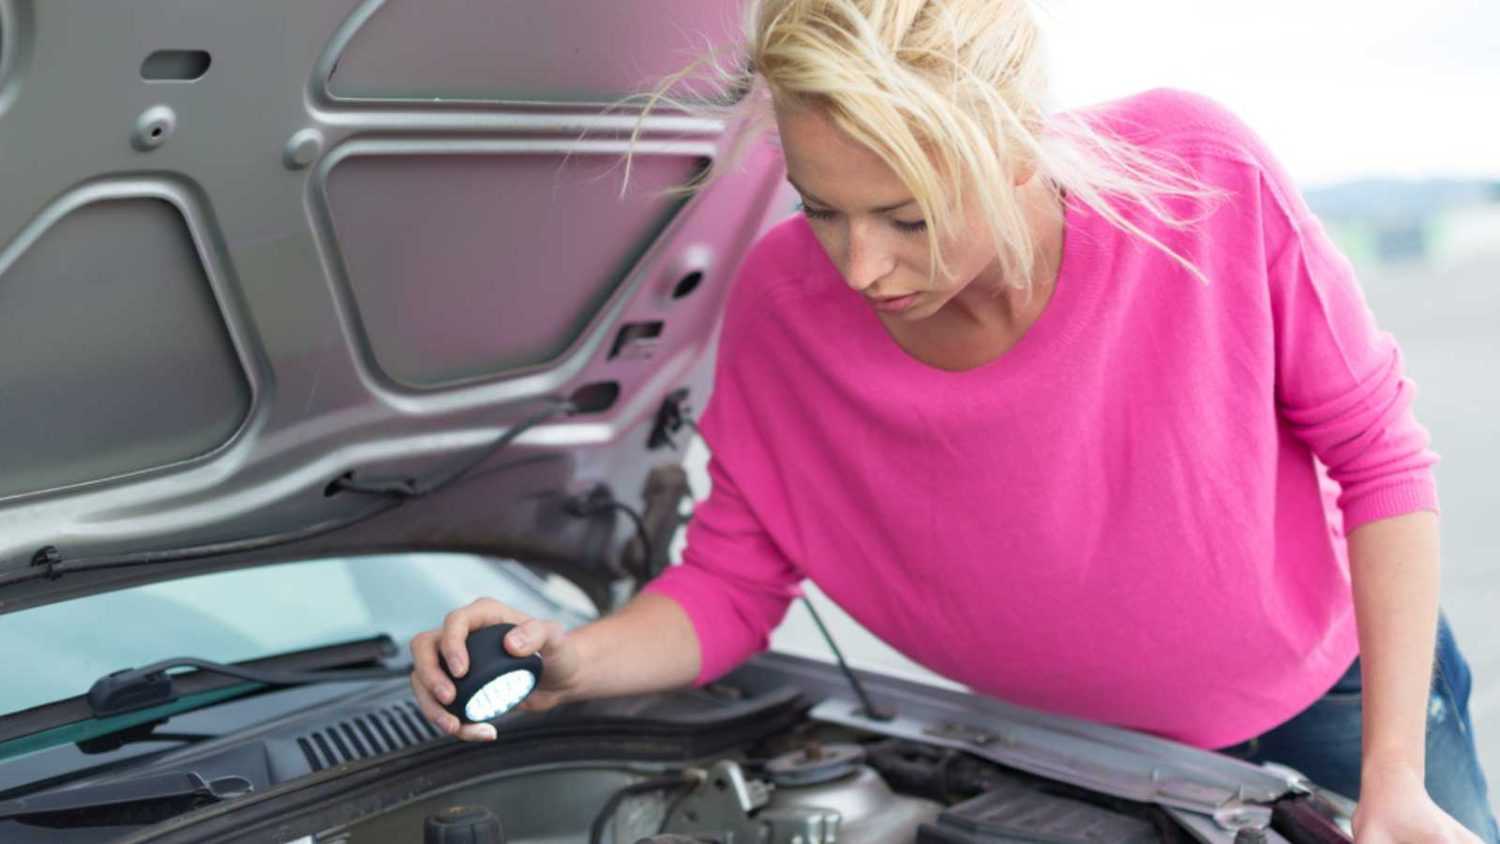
(881, 210)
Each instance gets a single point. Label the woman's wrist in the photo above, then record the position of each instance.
(583, 643)
(1393, 761)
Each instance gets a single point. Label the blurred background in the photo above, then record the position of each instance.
(1388, 116)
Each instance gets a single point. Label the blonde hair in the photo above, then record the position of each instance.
(948, 93)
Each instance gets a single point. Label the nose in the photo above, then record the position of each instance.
(866, 261)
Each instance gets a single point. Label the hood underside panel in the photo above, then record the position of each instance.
(257, 248)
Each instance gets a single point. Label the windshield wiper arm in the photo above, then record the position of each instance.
(197, 688)
(140, 688)
(145, 731)
(142, 799)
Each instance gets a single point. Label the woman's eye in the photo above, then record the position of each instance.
(815, 213)
(824, 214)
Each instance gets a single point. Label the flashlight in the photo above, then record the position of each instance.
(496, 681)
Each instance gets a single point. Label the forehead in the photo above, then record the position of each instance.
(825, 161)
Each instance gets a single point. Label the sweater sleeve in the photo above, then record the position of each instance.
(1340, 384)
(735, 581)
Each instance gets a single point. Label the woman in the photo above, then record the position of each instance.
(1045, 401)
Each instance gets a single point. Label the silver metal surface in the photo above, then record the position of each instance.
(302, 149)
(153, 128)
(390, 243)
(857, 806)
(722, 805)
(811, 825)
(499, 253)
(868, 811)
(815, 764)
(1237, 815)
(1094, 756)
(557, 52)
(1205, 830)
(114, 354)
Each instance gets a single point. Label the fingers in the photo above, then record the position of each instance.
(450, 725)
(477, 732)
(426, 672)
(444, 720)
(433, 688)
(541, 701)
(532, 636)
(457, 626)
(431, 709)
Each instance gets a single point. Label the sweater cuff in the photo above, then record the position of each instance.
(1407, 495)
(711, 614)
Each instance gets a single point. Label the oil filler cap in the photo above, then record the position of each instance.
(462, 825)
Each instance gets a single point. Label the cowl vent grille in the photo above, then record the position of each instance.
(365, 736)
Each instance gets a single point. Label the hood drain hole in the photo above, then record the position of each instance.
(596, 398)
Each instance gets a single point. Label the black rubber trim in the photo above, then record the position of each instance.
(1300, 822)
(335, 798)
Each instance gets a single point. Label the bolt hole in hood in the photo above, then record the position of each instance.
(318, 319)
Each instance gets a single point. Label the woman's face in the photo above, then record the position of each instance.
(871, 226)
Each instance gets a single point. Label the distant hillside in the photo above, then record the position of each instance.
(1392, 200)
(1386, 221)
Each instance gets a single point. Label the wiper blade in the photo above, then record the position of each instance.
(140, 688)
(197, 688)
(138, 800)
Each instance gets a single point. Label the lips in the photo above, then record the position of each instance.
(892, 303)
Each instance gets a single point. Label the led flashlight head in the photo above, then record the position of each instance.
(496, 681)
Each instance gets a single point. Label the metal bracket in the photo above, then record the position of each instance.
(1069, 754)
(723, 804)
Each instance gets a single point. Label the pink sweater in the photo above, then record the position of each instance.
(1125, 518)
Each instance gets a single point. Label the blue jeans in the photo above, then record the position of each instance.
(1323, 741)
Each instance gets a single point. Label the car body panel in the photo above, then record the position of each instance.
(220, 294)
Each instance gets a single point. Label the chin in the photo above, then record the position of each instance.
(924, 310)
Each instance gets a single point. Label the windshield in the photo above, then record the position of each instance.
(57, 651)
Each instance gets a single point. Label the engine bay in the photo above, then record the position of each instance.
(820, 785)
(774, 754)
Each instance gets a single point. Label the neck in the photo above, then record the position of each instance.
(990, 316)
(996, 302)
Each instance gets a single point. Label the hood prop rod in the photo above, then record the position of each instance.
(871, 711)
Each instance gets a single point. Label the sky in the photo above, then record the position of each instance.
(1339, 89)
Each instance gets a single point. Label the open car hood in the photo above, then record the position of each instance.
(276, 277)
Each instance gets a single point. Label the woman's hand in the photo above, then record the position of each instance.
(433, 689)
(1394, 809)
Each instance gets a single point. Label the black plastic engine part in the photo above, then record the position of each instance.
(670, 418)
(952, 776)
(936, 773)
(463, 825)
(1015, 814)
(1302, 821)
